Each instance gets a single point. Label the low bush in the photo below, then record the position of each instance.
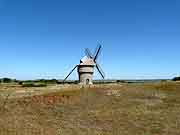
(176, 79)
(34, 85)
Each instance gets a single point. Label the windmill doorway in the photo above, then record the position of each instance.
(87, 81)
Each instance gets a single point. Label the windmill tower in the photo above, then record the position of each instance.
(86, 67)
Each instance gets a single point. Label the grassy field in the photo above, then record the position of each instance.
(113, 109)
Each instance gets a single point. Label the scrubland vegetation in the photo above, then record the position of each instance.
(105, 109)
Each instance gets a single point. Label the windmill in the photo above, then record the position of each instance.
(86, 67)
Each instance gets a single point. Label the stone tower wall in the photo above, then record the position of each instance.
(86, 74)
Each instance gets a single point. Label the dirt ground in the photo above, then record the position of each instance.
(112, 109)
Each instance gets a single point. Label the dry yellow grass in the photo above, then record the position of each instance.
(132, 109)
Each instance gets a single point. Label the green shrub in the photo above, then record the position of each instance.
(40, 84)
(34, 85)
(176, 79)
(120, 81)
(6, 80)
(27, 85)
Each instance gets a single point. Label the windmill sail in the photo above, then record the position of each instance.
(100, 70)
(97, 52)
(70, 73)
(88, 53)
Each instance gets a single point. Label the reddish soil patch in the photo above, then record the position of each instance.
(55, 99)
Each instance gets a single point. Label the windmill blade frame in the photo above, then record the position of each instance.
(100, 70)
(96, 49)
(97, 52)
(88, 53)
(70, 73)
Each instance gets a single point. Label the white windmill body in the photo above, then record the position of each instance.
(86, 67)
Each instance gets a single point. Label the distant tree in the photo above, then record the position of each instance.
(120, 81)
(176, 79)
(6, 80)
(47, 81)
(20, 82)
(52, 81)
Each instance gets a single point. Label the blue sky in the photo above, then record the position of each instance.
(46, 38)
